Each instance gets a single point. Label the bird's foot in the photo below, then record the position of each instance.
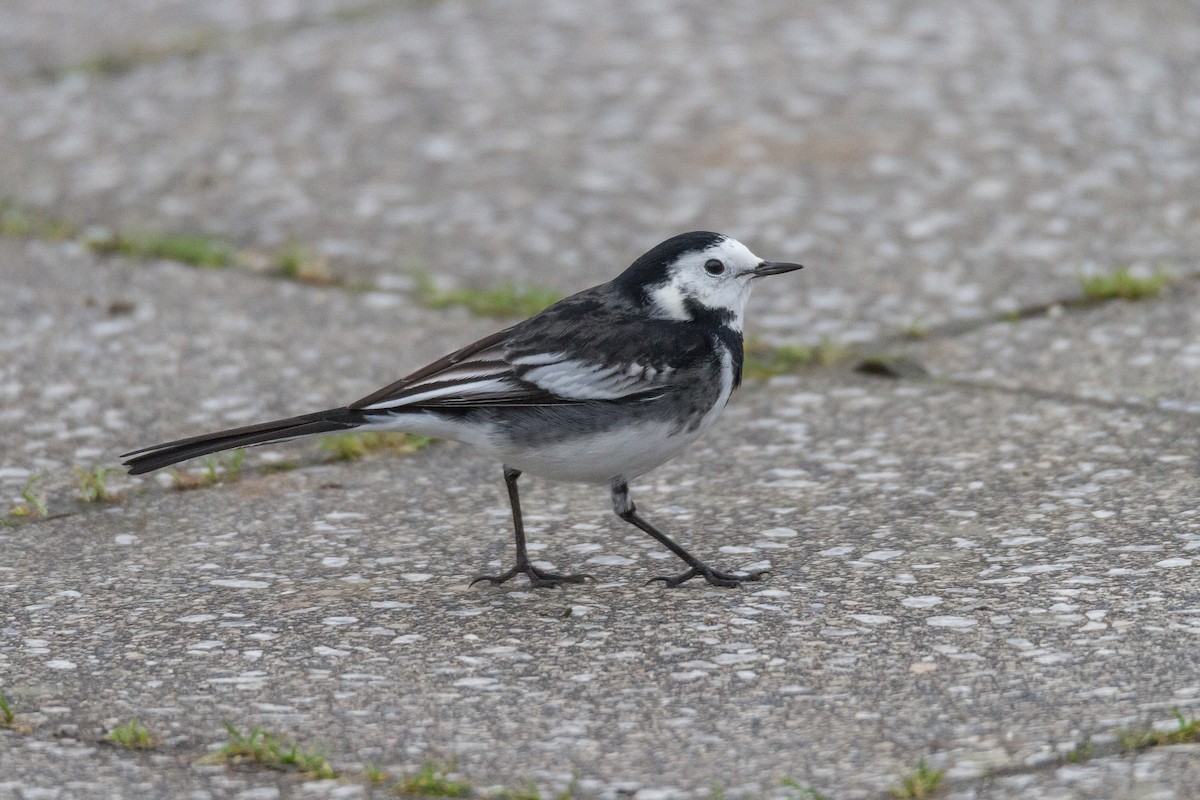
(715, 577)
(538, 579)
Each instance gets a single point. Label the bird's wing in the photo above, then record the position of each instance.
(498, 371)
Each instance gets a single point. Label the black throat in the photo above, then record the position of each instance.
(717, 322)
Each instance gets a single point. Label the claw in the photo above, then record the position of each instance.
(537, 578)
(715, 577)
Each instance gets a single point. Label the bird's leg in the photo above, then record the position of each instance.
(537, 578)
(626, 510)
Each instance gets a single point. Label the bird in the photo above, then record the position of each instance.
(598, 388)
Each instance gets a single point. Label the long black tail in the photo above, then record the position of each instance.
(149, 459)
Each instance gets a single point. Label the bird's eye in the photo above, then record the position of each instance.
(714, 266)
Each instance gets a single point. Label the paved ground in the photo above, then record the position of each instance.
(986, 567)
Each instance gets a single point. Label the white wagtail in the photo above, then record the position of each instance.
(599, 388)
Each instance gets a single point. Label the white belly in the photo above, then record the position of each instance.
(601, 457)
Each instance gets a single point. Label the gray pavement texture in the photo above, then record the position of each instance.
(983, 567)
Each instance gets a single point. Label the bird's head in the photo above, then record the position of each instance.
(698, 275)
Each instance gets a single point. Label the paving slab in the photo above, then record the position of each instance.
(932, 160)
(978, 577)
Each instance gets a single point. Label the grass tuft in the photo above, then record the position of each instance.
(353, 446)
(1123, 285)
(268, 750)
(133, 735)
(1186, 732)
(21, 222)
(500, 301)
(6, 713)
(115, 63)
(223, 469)
(373, 773)
(32, 505)
(921, 782)
(198, 251)
(883, 365)
(93, 486)
(572, 787)
(1081, 752)
(530, 791)
(763, 361)
(527, 792)
(299, 264)
(433, 781)
(799, 791)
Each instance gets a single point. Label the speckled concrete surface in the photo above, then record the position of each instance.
(982, 569)
(934, 160)
(975, 576)
(911, 611)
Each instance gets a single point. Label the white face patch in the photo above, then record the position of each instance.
(689, 279)
(669, 300)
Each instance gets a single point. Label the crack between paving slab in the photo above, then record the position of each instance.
(872, 359)
(1073, 304)
(304, 463)
(261, 752)
(1094, 751)
(293, 264)
(913, 372)
(1122, 742)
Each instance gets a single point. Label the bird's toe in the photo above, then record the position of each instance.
(714, 577)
